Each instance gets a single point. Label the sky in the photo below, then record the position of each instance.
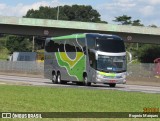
(148, 11)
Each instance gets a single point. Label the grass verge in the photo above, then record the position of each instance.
(48, 99)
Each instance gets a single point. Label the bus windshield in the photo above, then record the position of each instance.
(114, 45)
(111, 63)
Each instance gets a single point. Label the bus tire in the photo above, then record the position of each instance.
(80, 83)
(63, 82)
(112, 85)
(54, 80)
(85, 80)
(58, 79)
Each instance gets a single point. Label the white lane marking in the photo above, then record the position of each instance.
(47, 82)
(2, 83)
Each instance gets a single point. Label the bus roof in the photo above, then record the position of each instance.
(83, 36)
(69, 36)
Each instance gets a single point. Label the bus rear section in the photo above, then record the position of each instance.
(65, 58)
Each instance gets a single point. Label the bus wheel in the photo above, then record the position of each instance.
(85, 80)
(112, 85)
(63, 82)
(80, 83)
(58, 78)
(54, 78)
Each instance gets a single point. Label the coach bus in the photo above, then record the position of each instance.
(85, 58)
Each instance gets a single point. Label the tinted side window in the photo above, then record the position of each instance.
(92, 59)
(70, 46)
(51, 46)
(91, 43)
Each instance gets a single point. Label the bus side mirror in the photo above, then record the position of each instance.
(96, 56)
(90, 62)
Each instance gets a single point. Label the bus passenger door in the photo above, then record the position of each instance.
(92, 65)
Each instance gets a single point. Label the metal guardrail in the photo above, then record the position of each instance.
(141, 70)
(22, 67)
(35, 68)
(143, 74)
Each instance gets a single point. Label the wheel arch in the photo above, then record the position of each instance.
(85, 74)
(58, 72)
(54, 72)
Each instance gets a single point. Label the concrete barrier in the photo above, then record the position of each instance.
(23, 68)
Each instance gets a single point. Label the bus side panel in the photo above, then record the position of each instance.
(46, 61)
(52, 65)
(91, 58)
(72, 60)
(49, 64)
(70, 70)
(90, 69)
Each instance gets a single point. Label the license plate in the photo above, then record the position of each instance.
(112, 81)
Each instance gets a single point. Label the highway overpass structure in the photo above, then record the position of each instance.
(46, 27)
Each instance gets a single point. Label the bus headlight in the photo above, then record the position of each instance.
(124, 75)
(100, 76)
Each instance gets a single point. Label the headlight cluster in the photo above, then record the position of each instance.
(100, 76)
(124, 75)
(118, 76)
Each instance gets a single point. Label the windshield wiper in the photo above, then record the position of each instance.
(104, 70)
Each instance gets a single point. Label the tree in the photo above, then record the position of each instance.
(124, 20)
(71, 13)
(2, 43)
(127, 20)
(43, 12)
(137, 23)
(148, 53)
(154, 26)
(18, 43)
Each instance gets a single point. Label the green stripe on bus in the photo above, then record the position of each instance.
(107, 74)
(77, 70)
(74, 36)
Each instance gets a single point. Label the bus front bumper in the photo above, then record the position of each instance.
(117, 78)
(109, 81)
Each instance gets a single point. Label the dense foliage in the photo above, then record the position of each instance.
(127, 20)
(148, 53)
(71, 13)
(18, 43)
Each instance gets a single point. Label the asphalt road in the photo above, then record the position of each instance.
(46, 82)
